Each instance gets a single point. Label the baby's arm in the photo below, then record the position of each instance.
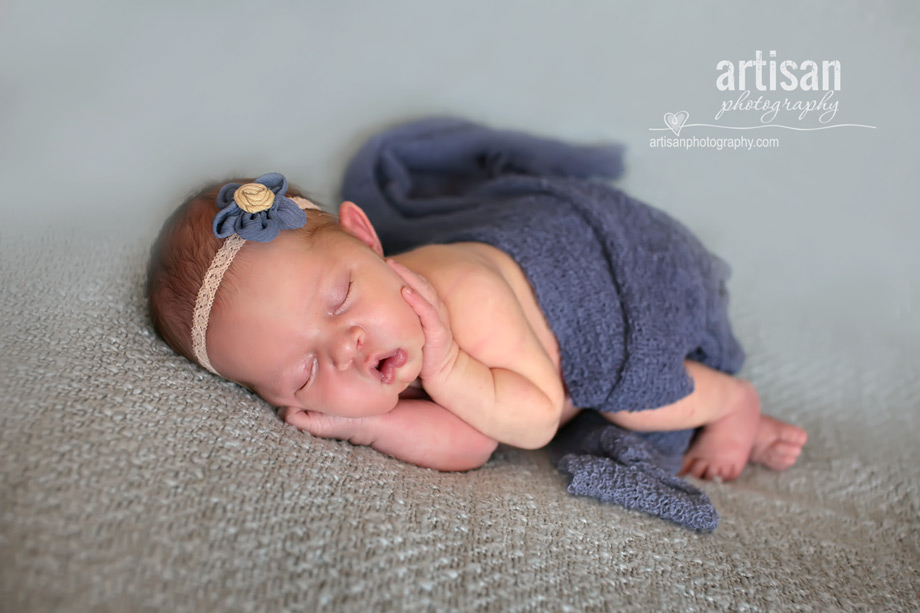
(502, 399)
(416, 431)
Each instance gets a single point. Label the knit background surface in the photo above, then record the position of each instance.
(132, 480)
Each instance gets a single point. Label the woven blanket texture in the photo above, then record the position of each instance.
(134, 481)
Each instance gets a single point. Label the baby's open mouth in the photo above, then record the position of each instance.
(386, 366)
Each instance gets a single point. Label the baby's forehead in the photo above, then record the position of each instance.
(310, 259)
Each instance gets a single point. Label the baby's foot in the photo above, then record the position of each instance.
(721, 449)
(777, 444)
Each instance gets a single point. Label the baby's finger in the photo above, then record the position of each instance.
(321, 424)
(432, 325)
(414, 280)
(401, 270)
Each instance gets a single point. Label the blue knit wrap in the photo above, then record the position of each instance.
(628, 291)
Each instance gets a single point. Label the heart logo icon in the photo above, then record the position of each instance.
(676, 121)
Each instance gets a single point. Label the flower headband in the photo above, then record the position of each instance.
(256, 211)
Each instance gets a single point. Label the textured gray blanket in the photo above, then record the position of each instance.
(132, 481)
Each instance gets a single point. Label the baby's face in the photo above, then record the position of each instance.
(321, 327)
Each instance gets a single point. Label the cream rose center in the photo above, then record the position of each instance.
(254, 197)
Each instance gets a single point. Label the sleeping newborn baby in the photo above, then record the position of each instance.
(432, 356)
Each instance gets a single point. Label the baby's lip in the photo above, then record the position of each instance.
(384, 365)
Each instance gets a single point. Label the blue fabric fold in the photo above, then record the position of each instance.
(628, 291)
(634, 470)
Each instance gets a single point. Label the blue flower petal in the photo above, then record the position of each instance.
(259, 227)
(275, 181)
(288, 214)
(225, 221)
(225, 195)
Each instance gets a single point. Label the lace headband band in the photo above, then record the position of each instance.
(255, 211)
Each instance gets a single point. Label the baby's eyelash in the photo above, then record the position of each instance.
(342, 304)
(312, 374)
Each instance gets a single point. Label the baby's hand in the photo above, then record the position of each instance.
(441, 350)
(354, 429)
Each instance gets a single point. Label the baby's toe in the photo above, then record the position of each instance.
(794, 435)
(726, 471)
(710, 470)
(733, 471)
(781, 456)
(696, 467)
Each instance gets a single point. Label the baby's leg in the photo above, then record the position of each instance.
(733, 431)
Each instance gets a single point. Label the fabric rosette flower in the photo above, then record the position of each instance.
(257, 211)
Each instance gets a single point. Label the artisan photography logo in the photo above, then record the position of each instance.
(764, 95)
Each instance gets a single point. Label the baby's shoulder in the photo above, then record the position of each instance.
(460, 272)
(493, 312)
(472, 279)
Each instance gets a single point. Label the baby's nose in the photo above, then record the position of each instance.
(347, 347)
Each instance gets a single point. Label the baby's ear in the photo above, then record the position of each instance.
(356, 223)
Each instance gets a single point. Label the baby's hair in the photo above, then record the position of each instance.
(181, 255)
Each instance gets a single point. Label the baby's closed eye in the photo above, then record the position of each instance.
(311, 376)
(342, 302)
